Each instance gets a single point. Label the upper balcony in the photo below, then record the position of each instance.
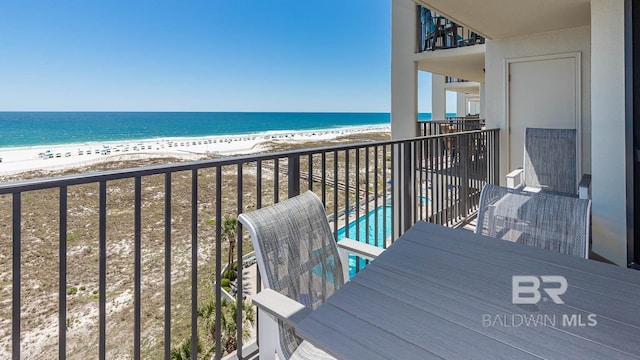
(448, 48)
(438, 32)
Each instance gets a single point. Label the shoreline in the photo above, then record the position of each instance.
(16, 160)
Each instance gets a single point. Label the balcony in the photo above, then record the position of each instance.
(437, 32)
(454, 80)
(450, 125)
(127, 263)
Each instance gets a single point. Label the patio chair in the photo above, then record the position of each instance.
(301, 266)
(550, 164)
(549, 221)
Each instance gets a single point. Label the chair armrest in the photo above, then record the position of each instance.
(280, 306)
(511, 179)
(348, 246)
(364, 250)
(583, 186)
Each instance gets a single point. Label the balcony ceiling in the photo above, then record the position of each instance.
(500, 19)
(465, 63)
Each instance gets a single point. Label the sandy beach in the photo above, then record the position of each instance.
(61, 157)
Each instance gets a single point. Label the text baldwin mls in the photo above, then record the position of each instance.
(517, 320)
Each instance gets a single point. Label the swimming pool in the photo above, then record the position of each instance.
(424, 200)
(383, 216)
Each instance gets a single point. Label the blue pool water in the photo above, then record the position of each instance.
(382, 213)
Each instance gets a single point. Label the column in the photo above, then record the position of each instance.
(438, 97)
(404, 71)
(608, 182)
(404, 104)
(461, 106)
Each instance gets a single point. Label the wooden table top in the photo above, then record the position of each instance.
(444, 293)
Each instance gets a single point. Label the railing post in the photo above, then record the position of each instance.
(293, 172)
(407, 187)
(396, 197)
(465, 158)
(419, 30)
(496, 157)
(62, 297)
(16, 257)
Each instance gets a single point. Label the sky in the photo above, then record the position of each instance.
(198, 55)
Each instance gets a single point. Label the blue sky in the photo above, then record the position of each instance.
(215, 55)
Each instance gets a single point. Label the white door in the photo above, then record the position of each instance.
(542, 92)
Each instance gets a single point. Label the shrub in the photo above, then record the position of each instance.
(229, 274)
(83, 288)
(235, 266)
(225, 283)
(72, 290)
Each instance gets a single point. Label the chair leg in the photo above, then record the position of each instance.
(267, 335)
(344, 260)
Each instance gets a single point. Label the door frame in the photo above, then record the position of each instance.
(632, 129)
(577, 58)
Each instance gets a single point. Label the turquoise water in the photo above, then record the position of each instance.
(48, 128)
(51, 128)
(380, 213)
(424, 200)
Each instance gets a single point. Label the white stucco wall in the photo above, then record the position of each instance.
(494, 92)
(404, 71)
(608, 129)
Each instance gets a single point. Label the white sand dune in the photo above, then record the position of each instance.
(66, 156)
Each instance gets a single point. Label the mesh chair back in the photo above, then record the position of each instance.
(297, 254)
(550, 160)
(549, 221)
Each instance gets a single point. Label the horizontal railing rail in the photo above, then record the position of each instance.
(436, 32)
(452, 79)
(134, 253)
(451, 125)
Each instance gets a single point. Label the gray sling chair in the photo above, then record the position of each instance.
(301, 266)
(549, 221)
(550, 164)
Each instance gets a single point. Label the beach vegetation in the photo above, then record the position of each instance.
(230, 274)
(229, 232)
(183, 351)
(71, 237)
(226, 284)
(207, 324)
(40, 209)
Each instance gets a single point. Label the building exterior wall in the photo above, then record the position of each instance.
(549, 43)
(608, 129)
(404, 71)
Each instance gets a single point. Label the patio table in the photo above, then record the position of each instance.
(444, 293)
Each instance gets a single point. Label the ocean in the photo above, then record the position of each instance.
(18, 129)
